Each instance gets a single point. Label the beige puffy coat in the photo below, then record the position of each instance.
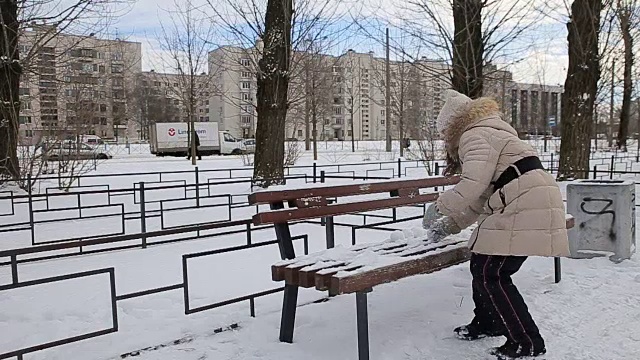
(531, 221)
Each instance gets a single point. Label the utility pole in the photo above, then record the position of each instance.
(388, 96)
(307, 125)
(613, 71)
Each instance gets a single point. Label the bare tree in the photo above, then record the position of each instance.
(581, 88)
(353, 77)
(468, 35)
(186, 39)
(16, 16)
(153, 106)
(628, 13)
(10, 71)
(282, 27)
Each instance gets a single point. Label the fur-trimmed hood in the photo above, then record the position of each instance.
(483, 111)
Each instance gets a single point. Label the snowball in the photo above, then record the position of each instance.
(397, 236)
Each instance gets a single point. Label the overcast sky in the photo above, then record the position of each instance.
(542, 56)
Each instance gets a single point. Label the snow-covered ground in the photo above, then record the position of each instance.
(594, 313)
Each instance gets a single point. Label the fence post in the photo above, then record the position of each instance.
(31, 224)
(551, 164)
(143, 219)
(595, 170)
(315, 168)
(399, 167)
(613, 159)
(14, 269)
(329, 230)
(436, 170)
(322, 176)
(197, 187)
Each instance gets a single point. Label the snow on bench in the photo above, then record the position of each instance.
(344, 270)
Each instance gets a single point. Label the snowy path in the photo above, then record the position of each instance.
(592, 314)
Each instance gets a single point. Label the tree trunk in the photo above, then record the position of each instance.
(10, 71)
(353, 137)
(307, 125)
(273, 87)
(580, 89)
(314, 121)
(468, 47)
(625, 113)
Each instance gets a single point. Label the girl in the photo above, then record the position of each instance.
(519, 210)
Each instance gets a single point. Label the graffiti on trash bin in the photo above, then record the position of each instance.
(604, 210)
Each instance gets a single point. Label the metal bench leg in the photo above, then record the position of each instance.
(363, 324)
(287, 322)
(557, 269)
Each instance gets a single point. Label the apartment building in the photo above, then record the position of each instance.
(347, 95)
(535, 108)
(166, 96)
(76, 85)
(232, 72)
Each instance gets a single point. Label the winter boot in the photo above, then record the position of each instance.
(473, 331)
(511, 350)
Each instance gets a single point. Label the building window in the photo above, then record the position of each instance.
(28, 133)
(246, 74)
(24, 91)
(206, 119)
(25, 105)
(299, 133)
(103, 108)
(103, 121)
(24, 119)
(117, 69)
(245, 119)
(337, 111)
(206, 110)
(245, 97)
(245, 85)
(245, 62)
(116, 56)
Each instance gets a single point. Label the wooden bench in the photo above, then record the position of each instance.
(354, 269)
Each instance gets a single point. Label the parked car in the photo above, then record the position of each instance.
(72, 151)
(249, 146)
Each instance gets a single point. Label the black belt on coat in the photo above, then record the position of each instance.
(518, 168)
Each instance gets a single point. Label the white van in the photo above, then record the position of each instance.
(173, 139)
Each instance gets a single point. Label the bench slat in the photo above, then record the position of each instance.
(281, 216)
(267, 197)
(386, 274)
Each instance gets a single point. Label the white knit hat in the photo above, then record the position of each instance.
(454, 104)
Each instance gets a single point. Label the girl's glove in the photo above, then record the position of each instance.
(441, 228)
(431, 215)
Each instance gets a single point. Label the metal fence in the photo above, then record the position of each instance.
(142, 213)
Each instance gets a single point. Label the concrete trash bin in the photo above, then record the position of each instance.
(605, 218)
